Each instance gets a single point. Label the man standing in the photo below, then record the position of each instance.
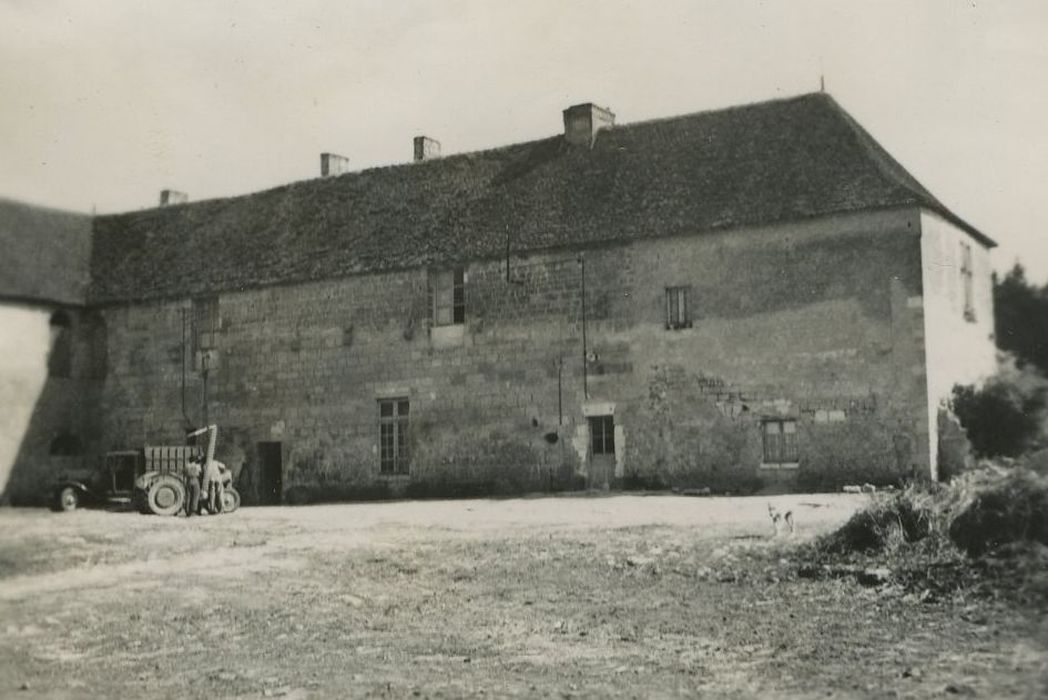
(213, 483)
(193, 471)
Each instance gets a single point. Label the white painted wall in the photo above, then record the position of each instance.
(959, 350)
(25, 341)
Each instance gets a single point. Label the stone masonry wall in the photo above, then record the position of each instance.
(819, 322)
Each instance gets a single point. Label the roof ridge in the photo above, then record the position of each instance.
(722, 110)
(333, 178)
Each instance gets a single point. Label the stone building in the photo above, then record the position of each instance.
(755, 297)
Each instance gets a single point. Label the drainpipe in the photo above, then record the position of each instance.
(205, 370)
(560, 391)
(185, 416)
(585, 368)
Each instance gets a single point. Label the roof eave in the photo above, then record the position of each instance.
(961, 224)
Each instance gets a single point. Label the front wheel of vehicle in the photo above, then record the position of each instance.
(166, 496)
(68, 499)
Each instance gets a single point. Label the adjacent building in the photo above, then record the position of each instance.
(755, 297)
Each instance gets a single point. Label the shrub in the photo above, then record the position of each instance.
(1010, 508)
(1006, 417)
(980, 511)
(905, 517)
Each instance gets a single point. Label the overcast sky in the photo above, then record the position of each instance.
(105, 102)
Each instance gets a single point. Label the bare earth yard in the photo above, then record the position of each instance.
(616, 596)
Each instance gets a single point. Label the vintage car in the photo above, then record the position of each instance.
(112, 484)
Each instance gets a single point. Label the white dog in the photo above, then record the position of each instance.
(780, 519)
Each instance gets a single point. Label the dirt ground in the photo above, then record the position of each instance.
(613, 596)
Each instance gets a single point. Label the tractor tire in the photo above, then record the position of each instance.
(67, 499)
(167, 496)
(230, 500)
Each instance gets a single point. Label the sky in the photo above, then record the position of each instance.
(103, 103)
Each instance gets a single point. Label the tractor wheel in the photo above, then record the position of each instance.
(167, 496)
(230, 500)
(67, 499)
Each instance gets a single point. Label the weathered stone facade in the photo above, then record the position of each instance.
(820, 322)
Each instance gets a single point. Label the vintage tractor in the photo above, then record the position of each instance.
(152, 479)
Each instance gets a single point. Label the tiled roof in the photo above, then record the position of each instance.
(43, 254)
(756, 164)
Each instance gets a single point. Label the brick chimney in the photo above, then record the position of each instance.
(170, 197)
(426, 148)
(582, 122)
(333, 164)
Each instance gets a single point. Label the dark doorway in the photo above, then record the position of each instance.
(602, 452)
(270, 474)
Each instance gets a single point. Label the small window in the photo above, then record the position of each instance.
(677, 308)
(205, 324)
(449, 297)
(780, 442)
(967, 281)
(393, 435)
(602, 435)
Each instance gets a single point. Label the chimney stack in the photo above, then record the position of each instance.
(582, 122)
(333, 164)
(170, 197)
(426, 148)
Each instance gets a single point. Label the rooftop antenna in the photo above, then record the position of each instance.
(822, 83)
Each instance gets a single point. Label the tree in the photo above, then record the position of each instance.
(1006, 417)
(1021, 319)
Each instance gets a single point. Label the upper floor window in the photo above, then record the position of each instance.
(967, 281)
(677, 308)
(449, 297)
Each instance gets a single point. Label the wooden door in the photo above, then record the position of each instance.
(270, 473)
(602, 452)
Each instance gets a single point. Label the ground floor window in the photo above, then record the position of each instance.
(602, 435)
(780, 442)
(393, 435)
